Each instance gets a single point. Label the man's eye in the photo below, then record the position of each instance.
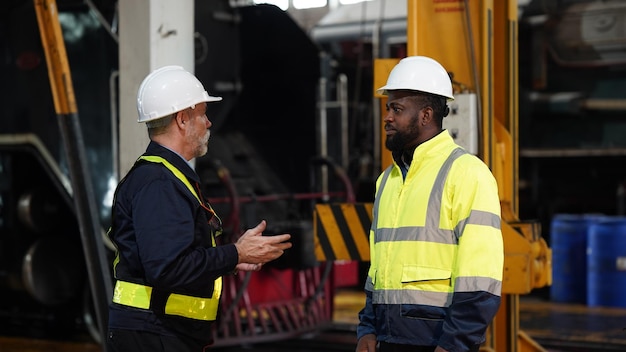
(395, 109)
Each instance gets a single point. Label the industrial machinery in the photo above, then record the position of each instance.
(295, 141)
(60, 159)
(571, 66)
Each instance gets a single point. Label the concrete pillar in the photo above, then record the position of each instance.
(152, 33)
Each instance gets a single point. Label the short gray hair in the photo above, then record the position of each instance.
(158, 126)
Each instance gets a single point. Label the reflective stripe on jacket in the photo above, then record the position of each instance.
(436, 250)
(140, 296)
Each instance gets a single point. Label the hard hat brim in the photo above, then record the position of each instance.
(384, 91)
(213, 99)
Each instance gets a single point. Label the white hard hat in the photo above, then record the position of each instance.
(167, 90)
(419, 73)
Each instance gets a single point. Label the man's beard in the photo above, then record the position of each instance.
(395, 143)
(400, 140)
(202, 146)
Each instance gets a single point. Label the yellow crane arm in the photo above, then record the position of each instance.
(56, 57)
(91, 232)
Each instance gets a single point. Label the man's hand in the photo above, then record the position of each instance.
(367, 343)
(255, 249)
(248, 267)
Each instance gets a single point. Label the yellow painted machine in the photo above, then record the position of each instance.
(477, 42)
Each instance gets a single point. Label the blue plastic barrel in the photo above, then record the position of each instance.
(568, 237)
(606, 263)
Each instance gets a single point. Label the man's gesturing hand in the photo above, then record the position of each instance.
(255, 249)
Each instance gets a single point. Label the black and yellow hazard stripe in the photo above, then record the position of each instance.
(342, 231)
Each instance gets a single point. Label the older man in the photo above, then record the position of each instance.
(168, 268)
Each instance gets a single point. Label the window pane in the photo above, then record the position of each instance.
(308, 4)
(347, 2)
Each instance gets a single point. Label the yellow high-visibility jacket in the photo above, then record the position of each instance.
(436, 250)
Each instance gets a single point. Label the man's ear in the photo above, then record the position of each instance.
(180, 119)
(426, 115)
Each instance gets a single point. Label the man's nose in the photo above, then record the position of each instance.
(388, 116)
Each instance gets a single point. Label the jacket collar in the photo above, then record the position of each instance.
(432, 145)
(175, 159)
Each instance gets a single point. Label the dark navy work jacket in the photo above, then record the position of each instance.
(163, 240)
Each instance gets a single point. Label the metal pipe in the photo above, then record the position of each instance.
(477, 85)
(339, 172)
(276, 197)
(115, 150)
(323, 130)
(102, 20)
(376, 118)
(342, 99)
(90, 230)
